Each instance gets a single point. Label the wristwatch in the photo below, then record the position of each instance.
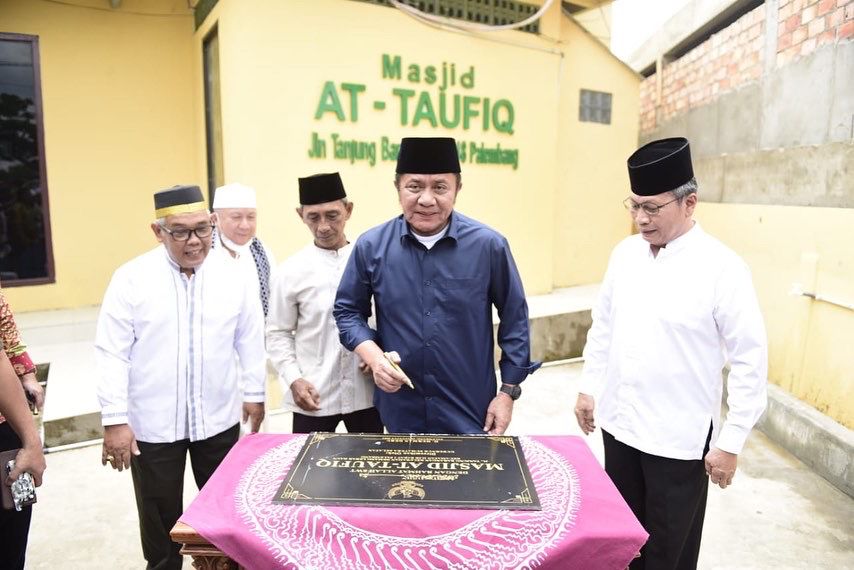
(512, 390)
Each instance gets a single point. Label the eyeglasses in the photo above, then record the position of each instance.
(648, 208)
(184, 235)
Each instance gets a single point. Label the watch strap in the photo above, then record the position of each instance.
(512, 390)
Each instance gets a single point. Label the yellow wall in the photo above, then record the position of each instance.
(810, 352)
(591, 161)
(118, 123)
(276, 56)
(598, 21)
(124, 116)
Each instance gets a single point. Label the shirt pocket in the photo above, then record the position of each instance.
(460, 297)
(452, 283)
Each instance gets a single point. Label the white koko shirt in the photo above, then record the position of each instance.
(663, 329)
(245, 262)
(302, 338)
(165, 348)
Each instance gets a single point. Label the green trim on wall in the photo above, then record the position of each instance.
(201, 11)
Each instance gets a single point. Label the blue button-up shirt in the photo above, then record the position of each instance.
(434, 307)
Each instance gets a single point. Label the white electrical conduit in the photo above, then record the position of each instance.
(798, 290)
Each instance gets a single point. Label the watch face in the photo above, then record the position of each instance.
(513, 391)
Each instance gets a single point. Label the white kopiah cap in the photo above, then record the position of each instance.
(234, 195)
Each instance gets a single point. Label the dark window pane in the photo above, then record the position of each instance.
(213, 113)
(24, 226)
(594, 107)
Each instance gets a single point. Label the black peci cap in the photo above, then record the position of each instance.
(321, 188)
(426, 155)
(660, 166)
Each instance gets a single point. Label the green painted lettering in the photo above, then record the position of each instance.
(443, 111)
(389, 149)
(353, 89)
(404, 95)
(329, 102)
(430, 74)
(424, 110)
(503, 116)
(467, 78)
(391, 67)
(318, 147)
(486, 113)
(414, 73)
(469, 112)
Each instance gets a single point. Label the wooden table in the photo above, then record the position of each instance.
(205, 555)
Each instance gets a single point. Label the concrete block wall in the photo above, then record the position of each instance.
(805, 25)
(770, 117)
(826, 446)
(727, 60)
(739, 55)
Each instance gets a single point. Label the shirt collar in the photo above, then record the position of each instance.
(403, 229)
(240, 250)
(175, 267)
(683, 241)
(332, 252)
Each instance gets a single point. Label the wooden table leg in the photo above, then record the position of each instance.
(205, 555)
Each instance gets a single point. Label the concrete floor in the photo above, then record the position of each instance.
(778, 514)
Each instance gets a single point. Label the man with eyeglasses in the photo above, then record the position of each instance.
(675, 307)
(170, 325)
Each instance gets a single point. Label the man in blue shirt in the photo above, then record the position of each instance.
(434, 275)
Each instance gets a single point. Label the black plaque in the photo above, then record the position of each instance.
(410, 470)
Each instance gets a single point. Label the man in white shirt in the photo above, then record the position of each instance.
(675, 307)
(170, 324)
(324, 383)
(236, 219)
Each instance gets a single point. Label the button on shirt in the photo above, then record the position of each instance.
(434, 307)
(165, 347)
(302, 339)
(663, 328)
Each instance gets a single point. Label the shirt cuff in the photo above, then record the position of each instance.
(357, 337)
(512, 374)
(253, 397)
(732, 438)
(113, 417)
(291, 375)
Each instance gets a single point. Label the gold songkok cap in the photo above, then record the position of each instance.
(178, 200)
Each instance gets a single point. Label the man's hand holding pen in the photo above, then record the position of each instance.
(394, 359)
(388, 376)
(385, 367)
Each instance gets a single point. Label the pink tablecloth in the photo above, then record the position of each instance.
(584, 523)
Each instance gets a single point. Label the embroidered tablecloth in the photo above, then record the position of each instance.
(584, 522)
